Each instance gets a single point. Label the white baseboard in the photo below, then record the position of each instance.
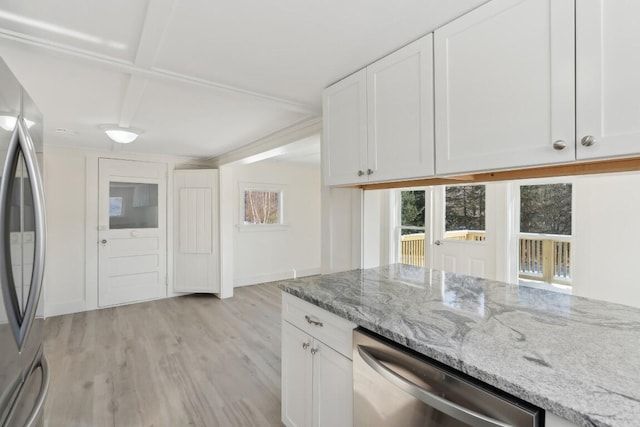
(272, 277)
(58, 309)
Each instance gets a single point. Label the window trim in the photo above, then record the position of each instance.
(275, 188)
(516, 234)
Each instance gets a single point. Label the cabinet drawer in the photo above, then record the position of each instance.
(332, 330)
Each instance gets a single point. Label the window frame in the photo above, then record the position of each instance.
(281, 189)
(396, 230)
(516, 234)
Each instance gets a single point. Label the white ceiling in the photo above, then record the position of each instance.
(201, 77)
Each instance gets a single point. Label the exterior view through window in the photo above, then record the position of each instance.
(545, 233)
(465, 212)
(412, 227)
(262, 206)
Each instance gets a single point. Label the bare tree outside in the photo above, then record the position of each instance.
(262, 207)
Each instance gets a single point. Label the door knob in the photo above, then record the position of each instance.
(437, 243)
(305, 345)
(360, 173)
(103, 241)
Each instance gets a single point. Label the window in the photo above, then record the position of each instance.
(465, 212)
(133, 205)
(261, 205)
(545, 233)
(412, 227)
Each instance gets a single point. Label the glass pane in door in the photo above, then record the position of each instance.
(133, 205)
(465, 212)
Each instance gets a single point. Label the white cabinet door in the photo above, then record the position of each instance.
(504, 86)
(344, 139)
(296, 377)
(608, 86)
(332, 388)
(400, 105)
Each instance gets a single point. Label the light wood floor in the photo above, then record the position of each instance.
(187, 361)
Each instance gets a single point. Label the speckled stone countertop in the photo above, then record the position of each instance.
(575, 357)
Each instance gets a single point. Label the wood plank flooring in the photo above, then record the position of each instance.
(188, 361)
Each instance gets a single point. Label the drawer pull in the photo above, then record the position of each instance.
(305, 345)
(312, 322)
(314, 351)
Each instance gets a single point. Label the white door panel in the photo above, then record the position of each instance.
(400, 115)
(504, 86)
(132, 231)
(608, 87)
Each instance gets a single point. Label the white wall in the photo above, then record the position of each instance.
(262, 256)
(342, 231)
(71, 187)
(607, 232)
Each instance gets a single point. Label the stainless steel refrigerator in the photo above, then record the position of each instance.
(24, 376)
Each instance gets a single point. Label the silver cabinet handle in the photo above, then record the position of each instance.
(559, 145)
(314, 351)
(312, 322)
(42, 394)
(305, 345)
(103, 241)
(369, 171)
(441, 404)
(21, 323)
(588, 141)
(437, 243)
(360, 173)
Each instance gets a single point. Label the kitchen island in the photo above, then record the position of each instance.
(574, 357)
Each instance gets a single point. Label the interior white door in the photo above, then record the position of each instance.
(132, 234)
(607, 83)
(471, 257)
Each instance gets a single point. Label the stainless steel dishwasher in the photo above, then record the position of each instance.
(394, 387)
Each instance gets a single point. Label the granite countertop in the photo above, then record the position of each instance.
(575, 357)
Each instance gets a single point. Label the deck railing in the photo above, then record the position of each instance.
(547, 259)
(413, 249)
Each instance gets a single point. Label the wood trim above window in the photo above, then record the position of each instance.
(571, 169)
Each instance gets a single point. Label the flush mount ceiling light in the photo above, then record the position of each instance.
(120, 134)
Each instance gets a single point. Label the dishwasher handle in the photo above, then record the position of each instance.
(441, 404)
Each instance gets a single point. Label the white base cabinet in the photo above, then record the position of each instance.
(317, 384)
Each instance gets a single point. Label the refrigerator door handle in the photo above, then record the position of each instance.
(42, 395)
(6, 272)
(21, 324)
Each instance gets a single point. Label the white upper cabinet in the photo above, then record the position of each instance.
(344, 139)
(400, 102)
(378, 122)
(504, 87)
(608, 78)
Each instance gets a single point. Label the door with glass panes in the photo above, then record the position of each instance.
(132, 231)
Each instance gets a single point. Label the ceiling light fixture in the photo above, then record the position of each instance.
(121, 135)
